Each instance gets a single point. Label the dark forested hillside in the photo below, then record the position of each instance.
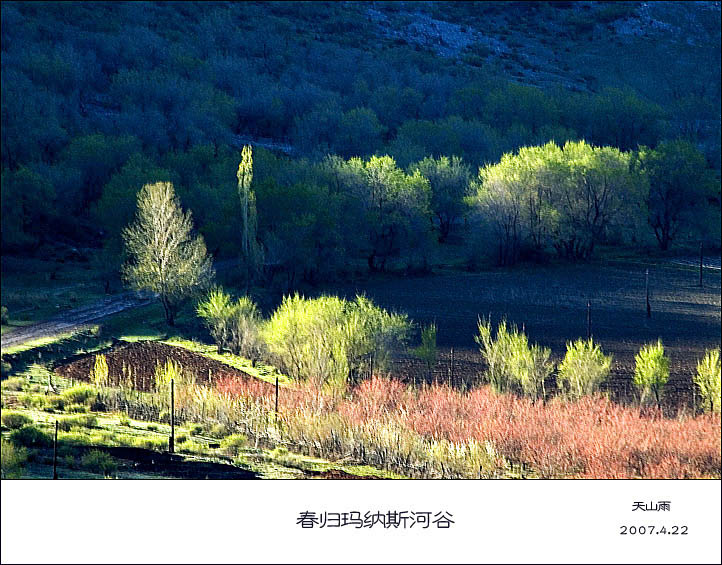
(99, 98)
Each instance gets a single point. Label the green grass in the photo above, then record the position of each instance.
(41, 342)
(34, 290)
(264, 372)
(118, 430)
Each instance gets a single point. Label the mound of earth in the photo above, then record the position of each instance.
(138, 361)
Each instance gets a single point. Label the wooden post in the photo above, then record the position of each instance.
(701, 262)
(589, 319)
(276, 398)
(55, 452)
(171, 440)
(452, 366)
(646, 284)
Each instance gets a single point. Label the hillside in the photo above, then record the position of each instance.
(99, 98)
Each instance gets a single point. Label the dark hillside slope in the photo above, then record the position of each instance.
(100, 97)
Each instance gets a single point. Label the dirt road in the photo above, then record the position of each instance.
(75, 319)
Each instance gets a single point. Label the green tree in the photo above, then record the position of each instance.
(249, 245)
(651, 371)
(679, 183)
(596, 185)
(707, 379)
(163, 255)
(427, 350)
(498, 196)
(233, 325)
(27, 206)
(583, 368)
(332, 341)
(391, 208)
(449, 180)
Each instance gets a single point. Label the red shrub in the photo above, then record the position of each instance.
(591, 438)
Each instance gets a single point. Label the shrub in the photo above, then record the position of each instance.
(181, 438)
(76, 408)
(14, 383)
(196, 429)
(30, 436)
(31, 400)
(511, 363)
(191, 447)
(52, 402)
(4, 315)
(15, 420)
(707, 380)
(233, 325)
(13, 459)
(79, 394)
(651, 371)
(331, 340)
(69, 461)
(123, 419)
(234, 443)
(164, 374)
(583, 369)
(66, 424)
(218, 430)
(99, 373)
(427, 350)
(97, 461)
(154, 443)
(152, 427)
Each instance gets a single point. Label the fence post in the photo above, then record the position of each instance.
(171, 440)
(646, 284)
(452, 366)
(589, 319)
(55, 452)
(701, 262)
(276, 411)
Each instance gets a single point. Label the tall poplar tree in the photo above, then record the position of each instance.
(249, 246)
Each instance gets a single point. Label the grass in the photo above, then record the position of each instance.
(266, 373)
(116, 429)
(35, 289)
(42, 342)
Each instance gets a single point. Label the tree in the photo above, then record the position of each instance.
(249, 245)
(427, 350)
(499, 197)
(679, 181)
(163, 255)
(568, 197)
(26, 200)
(651, 371)
(449, 179)
(594, 187)
(391, 208)
(708, 380)
(233, 325)
(583, 368)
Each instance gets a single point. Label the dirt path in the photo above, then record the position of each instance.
(75, 319)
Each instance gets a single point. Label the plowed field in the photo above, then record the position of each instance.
(140, 359)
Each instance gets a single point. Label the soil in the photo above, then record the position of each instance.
(550, 304)
(140, 360)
